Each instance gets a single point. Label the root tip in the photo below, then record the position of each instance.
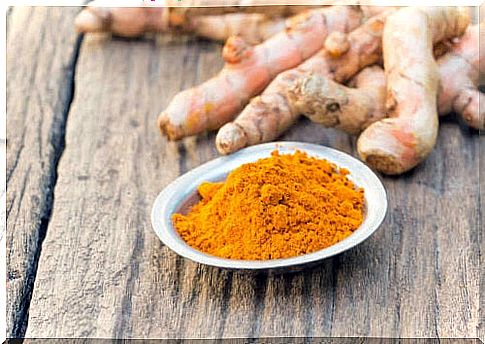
(384, 151)
(230, 139)
(86, 21)
(384, 164)
(166, 129)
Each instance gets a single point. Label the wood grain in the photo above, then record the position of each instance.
(481, 225)
(102, 271)
(107, 241)
(40, 62)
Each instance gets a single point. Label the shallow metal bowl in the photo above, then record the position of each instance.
(181, 194)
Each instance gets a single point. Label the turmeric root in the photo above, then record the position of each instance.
(270, 114)
(354, 109)
(459, 73)
(252, 27)
(269, 7)
(207, 22)
(337, 106)
(249, 69)
(397, 144)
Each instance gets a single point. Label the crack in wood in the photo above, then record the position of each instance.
(57, 140)
(12, 168)
(261, 288)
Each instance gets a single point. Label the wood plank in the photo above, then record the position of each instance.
(481, 224)
(103, 272)
(41, 50)
(121, 85)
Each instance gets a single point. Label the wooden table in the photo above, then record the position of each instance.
(85, 161)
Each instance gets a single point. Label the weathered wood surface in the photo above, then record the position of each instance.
(102, 271)
(41, 51)
(481, 315)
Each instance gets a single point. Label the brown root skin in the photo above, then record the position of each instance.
(336, 106)
(397, 144)
(270, 114)
(248, 71)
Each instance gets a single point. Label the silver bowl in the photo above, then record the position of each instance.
(181, 194)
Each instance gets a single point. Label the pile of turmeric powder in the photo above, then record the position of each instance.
(277, 207)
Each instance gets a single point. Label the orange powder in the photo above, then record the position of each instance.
(277, 207)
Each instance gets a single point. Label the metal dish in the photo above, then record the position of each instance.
(181, 194)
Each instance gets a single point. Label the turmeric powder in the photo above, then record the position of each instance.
(282, 206)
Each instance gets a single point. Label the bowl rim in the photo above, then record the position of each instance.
(188, 182)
